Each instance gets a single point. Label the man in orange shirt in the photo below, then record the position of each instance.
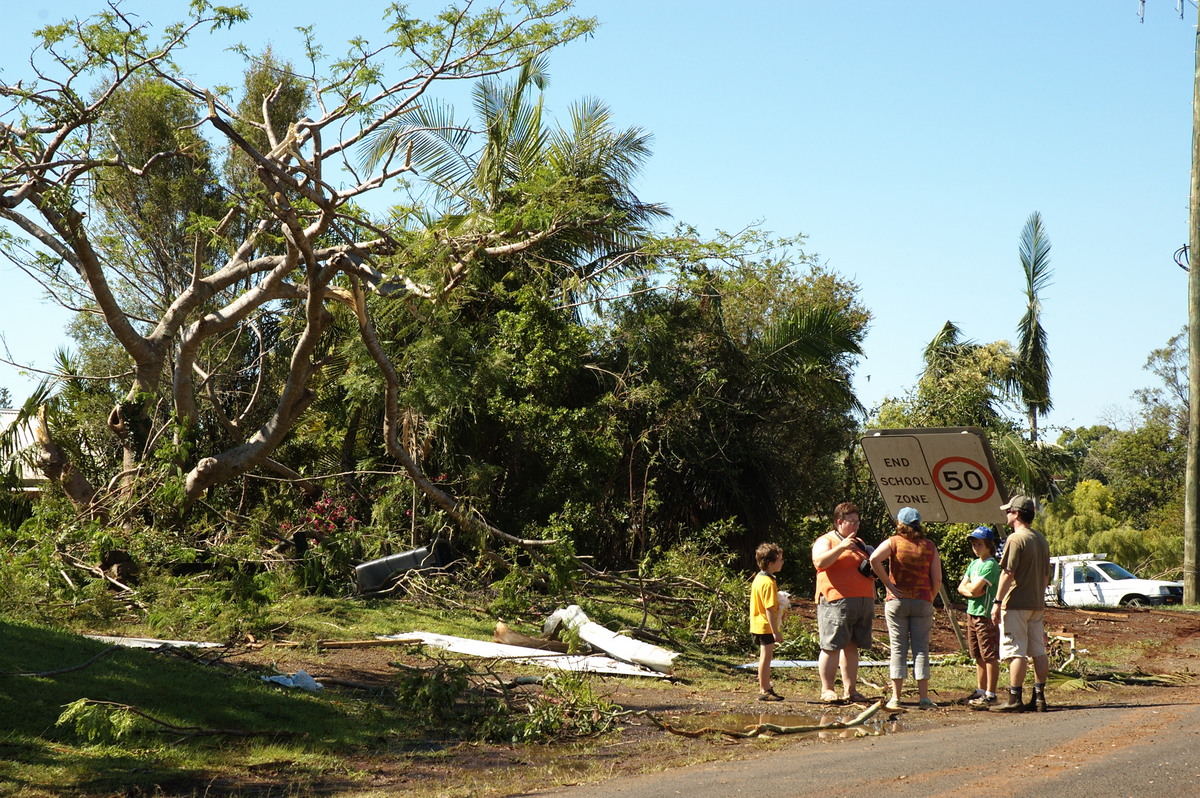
(845, 602)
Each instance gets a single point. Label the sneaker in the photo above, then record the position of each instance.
(983, 702)
(926, 703)
(770, 696)
(893, 703)
(974, 695)
(1012, 704)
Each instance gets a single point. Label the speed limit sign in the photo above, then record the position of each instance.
(946, 473)
(962, 479)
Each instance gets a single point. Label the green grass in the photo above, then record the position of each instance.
(37, 756)
(318, 740)
(311, 740)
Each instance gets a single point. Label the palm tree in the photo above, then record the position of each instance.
(1031, 377)
(524, 177)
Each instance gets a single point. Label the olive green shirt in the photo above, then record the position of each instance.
(1026, 556)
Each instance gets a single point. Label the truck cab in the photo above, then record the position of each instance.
(1079, 580)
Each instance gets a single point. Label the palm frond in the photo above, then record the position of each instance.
(1032, 376)
(799, 348)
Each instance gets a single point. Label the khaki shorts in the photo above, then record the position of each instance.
(1022, 634)
(844, 620)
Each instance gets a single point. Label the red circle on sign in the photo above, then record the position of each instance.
(937, 480)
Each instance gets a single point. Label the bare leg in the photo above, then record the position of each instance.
(1041, 668)
(764, 666)
(827, 664)
(897, 688)
(849, 661)
(1017, 670)
(993, 674)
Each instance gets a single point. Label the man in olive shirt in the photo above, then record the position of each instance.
(1020, 604)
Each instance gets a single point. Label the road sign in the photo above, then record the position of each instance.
(946, 473)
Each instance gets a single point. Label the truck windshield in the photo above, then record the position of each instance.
(1114, 571)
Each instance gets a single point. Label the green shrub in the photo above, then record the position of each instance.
(567, 707)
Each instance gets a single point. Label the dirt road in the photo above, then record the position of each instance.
(1143, 743)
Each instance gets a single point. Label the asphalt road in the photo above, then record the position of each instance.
(1151, 748)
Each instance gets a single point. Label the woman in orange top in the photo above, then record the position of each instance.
(913, 578)
(845, 603)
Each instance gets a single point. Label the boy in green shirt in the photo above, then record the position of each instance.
(983, 635)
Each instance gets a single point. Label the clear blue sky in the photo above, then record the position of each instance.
(908, 141)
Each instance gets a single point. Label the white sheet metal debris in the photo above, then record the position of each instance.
(623, 648)
(590, 663)
(812, 663)
(150, 642)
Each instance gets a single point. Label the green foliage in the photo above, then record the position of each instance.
(718, 617)
(799, 641)
(1031, 373)
(1086, 519)
(963, 384)
(99, 721)
(433, 692)
(15, 504)
(721, 422)
(549, 576)
(1124, 489)
(568, 707)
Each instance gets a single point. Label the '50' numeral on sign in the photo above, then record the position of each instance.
(963, 480)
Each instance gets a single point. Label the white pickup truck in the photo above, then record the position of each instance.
(1089, 579)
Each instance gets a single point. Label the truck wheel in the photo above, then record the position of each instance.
(1135, 601)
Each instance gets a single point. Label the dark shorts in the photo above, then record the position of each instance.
(764, 640)
(844, 620)
(983, 638)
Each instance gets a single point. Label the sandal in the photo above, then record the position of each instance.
(830, 697)
(857, 698)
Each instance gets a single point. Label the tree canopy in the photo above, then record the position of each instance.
(516, 351)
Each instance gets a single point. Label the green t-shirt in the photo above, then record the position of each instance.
(989, 570)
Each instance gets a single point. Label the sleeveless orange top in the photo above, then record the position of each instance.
(842, 579)
(909, 567)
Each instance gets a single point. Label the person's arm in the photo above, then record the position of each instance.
(1003, 588)
(825, 553)
(972, 588)
(935, 572)
(880, 554)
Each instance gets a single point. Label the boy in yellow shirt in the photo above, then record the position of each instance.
(766, 615)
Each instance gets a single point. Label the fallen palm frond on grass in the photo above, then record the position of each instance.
(761, 728)
(1091, 681)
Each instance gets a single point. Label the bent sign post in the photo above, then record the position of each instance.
(946, 473)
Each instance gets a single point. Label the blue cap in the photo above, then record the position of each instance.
(983, 533)
(908, 516)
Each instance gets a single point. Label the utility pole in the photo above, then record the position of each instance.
(1191, 488)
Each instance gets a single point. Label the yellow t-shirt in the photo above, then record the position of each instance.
(764, 601)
